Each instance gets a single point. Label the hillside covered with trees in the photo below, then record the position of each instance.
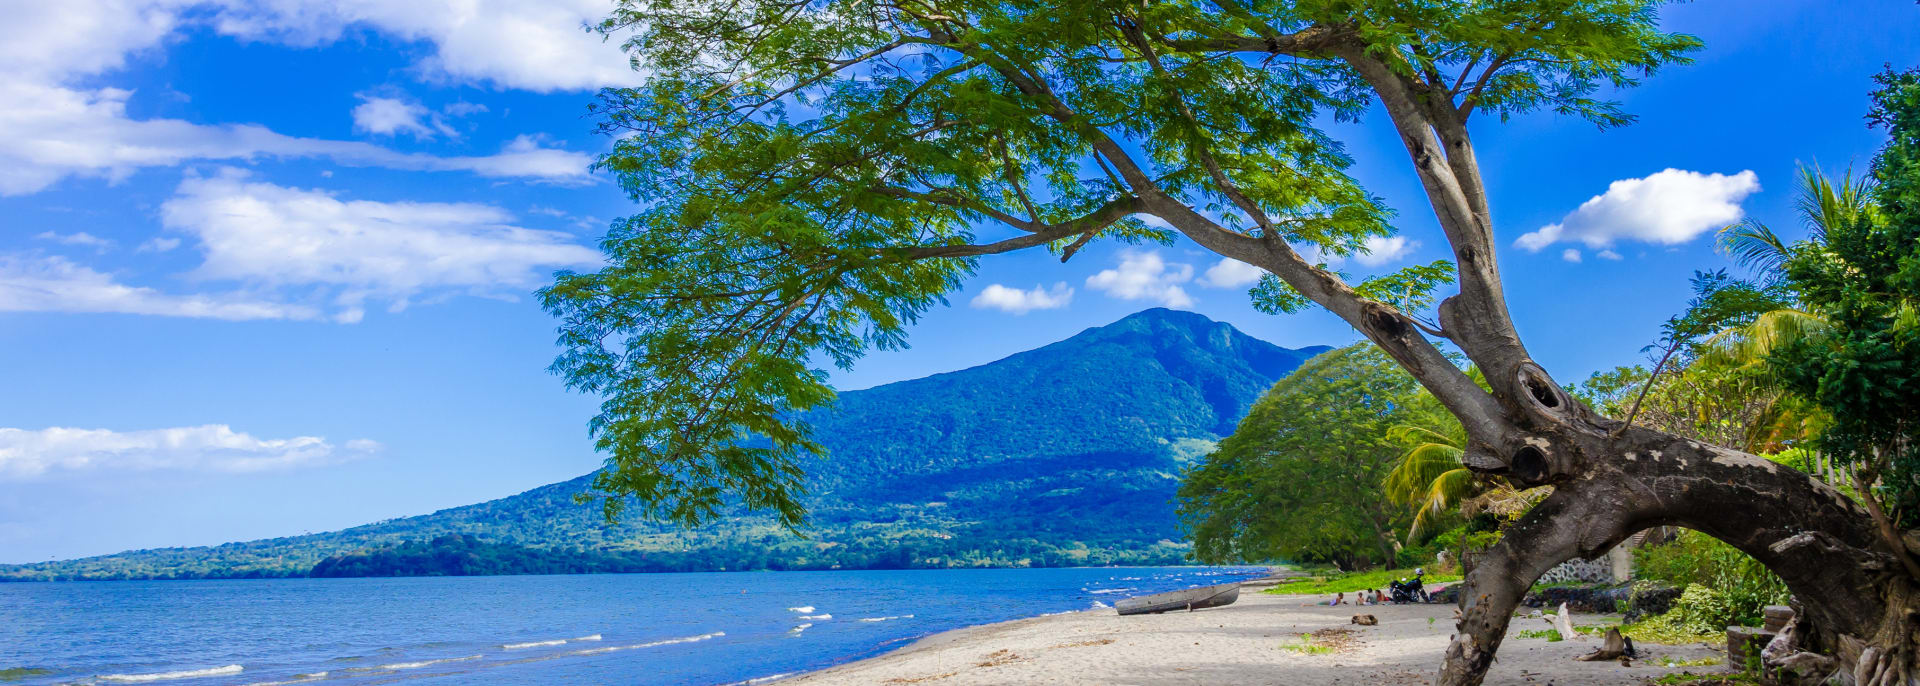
(1065, 455)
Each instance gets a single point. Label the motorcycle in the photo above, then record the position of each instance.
(1410, 590)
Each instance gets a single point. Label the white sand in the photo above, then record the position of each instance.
(1237, 644)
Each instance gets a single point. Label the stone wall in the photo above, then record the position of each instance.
(1578, 571)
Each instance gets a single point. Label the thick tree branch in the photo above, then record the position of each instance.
(1443, 158)
(1318, 40)
(1041, 234)
(1384, 325)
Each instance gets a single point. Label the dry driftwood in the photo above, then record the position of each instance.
(1616, 646)
(1563, 623)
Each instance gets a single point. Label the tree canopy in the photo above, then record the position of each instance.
(1863, 277)
(813, 176)
(1300, 479)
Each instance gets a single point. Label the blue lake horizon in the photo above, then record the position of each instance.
(666, 628)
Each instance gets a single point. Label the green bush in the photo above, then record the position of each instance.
(1702, 610)
(1744, 585)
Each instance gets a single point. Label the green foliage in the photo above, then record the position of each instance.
(462, 555)
(1864, 277)
(1708, 678)
(1551, 635)
(1299, 479)
(813, 177)
(1349, 582)
(1740, 583)
(1669, 661)
(1701, 614)
(1429, 477)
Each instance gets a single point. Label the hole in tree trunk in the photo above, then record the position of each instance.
(1388, 325)
(1529, 465)
(1542, 390)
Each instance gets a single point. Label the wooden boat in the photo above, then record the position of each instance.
(1190, 599)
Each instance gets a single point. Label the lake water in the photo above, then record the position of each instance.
(713, 628)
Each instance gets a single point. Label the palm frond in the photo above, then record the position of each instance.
(1825, 204)
(1750, 344)
(1756, 247)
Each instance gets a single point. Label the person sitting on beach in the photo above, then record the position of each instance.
(1379, 599)
(1360, 598)
(1338, 599)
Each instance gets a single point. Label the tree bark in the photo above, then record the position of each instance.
(1820, 542)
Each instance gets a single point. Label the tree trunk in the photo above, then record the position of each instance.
(1820, 542)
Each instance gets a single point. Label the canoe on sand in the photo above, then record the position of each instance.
(1190, 599)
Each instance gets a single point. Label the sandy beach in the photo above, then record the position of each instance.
(1239, 644)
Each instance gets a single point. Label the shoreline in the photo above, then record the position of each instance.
(1257, 640)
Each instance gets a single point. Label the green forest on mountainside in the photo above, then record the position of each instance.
(1066, 455)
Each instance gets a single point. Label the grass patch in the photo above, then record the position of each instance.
(1654, 631)
(1714, 679)
(1667, 633)
(1550, 634)
(1306, 646)
(1353, 581)
(1324, 642)
(1668, 661)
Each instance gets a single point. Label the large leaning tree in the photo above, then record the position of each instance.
(815, 174)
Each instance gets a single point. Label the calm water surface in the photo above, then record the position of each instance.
(599, 629)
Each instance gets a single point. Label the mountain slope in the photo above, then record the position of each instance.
(1065, 454)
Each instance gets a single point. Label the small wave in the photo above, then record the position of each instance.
(594, 637)
(427, 663)
(803, 609)
(1097, 605)
(819, 616)
(796, 630)
(1110, 590)
(164, 676)
(670, 641)
(882, 619)
(534, 644)
(297, 679)
(762, 680)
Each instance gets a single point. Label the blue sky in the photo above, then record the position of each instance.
(265, 266)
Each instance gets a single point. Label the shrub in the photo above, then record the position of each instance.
(1700, 614)
(1696, 558)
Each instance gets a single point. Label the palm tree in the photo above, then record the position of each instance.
(1429, 476)
(1823, 204)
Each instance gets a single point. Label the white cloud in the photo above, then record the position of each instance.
(392, 116)
(1142, 275)
(537, 45)
(48, 133)
(212, 448)
(1570, 255)
(80, 238)
(159, 244)
(1667, 208)
(1379, 250)
(271, 236)
(55, 284)
(1231, 273)
(463, 109)
(1017, 301)
(52, 129)
(1608, 255)
(51, 40)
